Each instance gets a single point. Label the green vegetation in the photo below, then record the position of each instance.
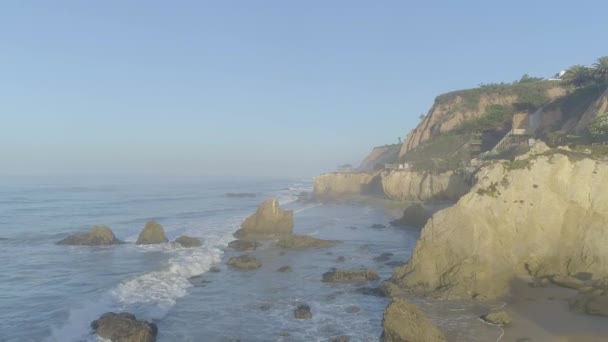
(517, 164)
(491, 190)
(598, 127)
(495, 117)
(443, 153)
(581, 76)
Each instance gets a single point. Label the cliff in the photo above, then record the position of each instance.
(379, 156)
(541, 215)
(339, 184)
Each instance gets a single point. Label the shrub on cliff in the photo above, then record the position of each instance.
(598, 127)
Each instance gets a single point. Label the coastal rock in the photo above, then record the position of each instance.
(124, 327)
(349, 276)
(268, 219)
(405, 185)
(96, 236)
(542, 215)
(591, 303)
(353, 309)
(153, 233)
(415, 216)
(567, 281)
(377, 226)
(243, 245)
(245, 262)
(303, 242)
(501, 318)
(285, 269)
(188, 241)
(383, 257)
(379, 156)
(302, 312)
(341, 258)
(215, 269)
(343, 184)
(405, 322)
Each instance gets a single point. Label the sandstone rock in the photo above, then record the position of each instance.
(338, 185)
(96, 236)
(268, 219)
(543, 216)
(245, 262)
(591, 304)
(349, 276)
(285, 269)
(243, 245)
(153, 233)
(501, 318)
(124, 327)
(302, 312)
(404, 185)
(303, 242)
(405, 322)
(415, 216)
(188, 241)
(567, 281)
(390, 289)
(379, 156)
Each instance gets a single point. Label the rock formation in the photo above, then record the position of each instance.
(405, 322)
(96, 236)
(541, 215)
(124, 327)
(268, 220)
(188, 241)
(403, 185)
(501, 318)
(245, 262)
(303, 242)
(414, 216)
(285, 269)
(340, 184)
(243, 245)
(302, 312)
(153, 233)
(349, 276)
(379, 156)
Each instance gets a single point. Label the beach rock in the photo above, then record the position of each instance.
(567, 281)
(415, 216)
(268, 220)
(96, 236)
(405, 322)
(349, 276)
(344, 184)
(285, 269)
(188, 241)
(303, 242)
(501, 318)
(383, 257)
(342, 338)
(153, 233)
(243, 245)
(540, 216)
(353, 309)
(245, 262)
(592, 303)
(302, 312)
(124, 327)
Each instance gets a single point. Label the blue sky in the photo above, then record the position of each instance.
(273, 88)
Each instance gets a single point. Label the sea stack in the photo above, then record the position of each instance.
(96, 236)
(153, 233)
(268, 220)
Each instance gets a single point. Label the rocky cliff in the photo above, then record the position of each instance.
(338, 184)
(543, 214)
(379, 156)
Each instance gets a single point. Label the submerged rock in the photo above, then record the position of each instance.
(342, 338)
(245, 262)
(591, 303)
(341, 258)
(405, 322)
(377, 226)
(243, 245)
(124, 327)
(303, 241)
(153, 233)
(567, 281)
(96, 236)
(302, 312)
(268, 219)
(285, 269)
(383, 257)
(215, 269)
(415, 216)
(353, 309)
(501, 318)
(349, 276)
(240, 195)
(188, 241)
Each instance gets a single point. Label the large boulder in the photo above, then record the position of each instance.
(303, 242)
(243, 245)
(349, 276)
(302, 312)
(153, 233)
(405, 322)
(415, 216)
(188, 241)
(124, 327)
(245, 262)
(500, 318)
(268, 220)
(96, 236)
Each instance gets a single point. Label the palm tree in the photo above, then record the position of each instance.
(600, 69)
(577, 75)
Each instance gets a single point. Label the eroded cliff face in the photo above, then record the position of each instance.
(404, 185)
(340, 184)
(546, 214)
(379, 156)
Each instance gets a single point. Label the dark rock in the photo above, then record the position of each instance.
(302, 312)
(268, 220)
(153, 233)
(282, 253)
(96, 236)
(591, 303)
(305, 197)
(404, 321)
(377, 226)
(500, 318)
(265, 306)
(340, 259)
(245, 262)
(303, 242)
(370, 291)
(124, 327)
(414, 216)
(353, 309)
(243, 245)
(285, 269)
(188, 241)
(215, 269)
(567, 281)
(349, 276)
(395, 263)
(383, 257)
(240, 195)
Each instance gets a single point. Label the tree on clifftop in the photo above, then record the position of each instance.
(600, 69)
(578, 76)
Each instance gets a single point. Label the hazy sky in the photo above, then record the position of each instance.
(255, 87)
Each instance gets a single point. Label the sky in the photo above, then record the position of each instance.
(255, 88)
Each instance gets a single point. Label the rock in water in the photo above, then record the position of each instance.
(268, 219)
(96, 236)
(245, 262)
(302, 312)
(593, 303)
(153, 233)
(405, 322)
(501, 318)
(303, 242)
(188, 241)
(285, 269)
(342, 338)
(349, 276)
(567, 281)
(243, 245)
(415, 216)
(124, 327)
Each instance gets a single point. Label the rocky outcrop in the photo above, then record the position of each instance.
(404, 185)
(542, 215)
(337, 184)
(124, 327)
(96, 236)
(244, 262)
(379, 156)
(405, 322)
(243, 245)
(285, 269)
(349, 276)
(268, 220)
(153, 233)
(303, 242)
(591, 303)
(414, 216)
(598, 106)
(188, 241)
(500, 318)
